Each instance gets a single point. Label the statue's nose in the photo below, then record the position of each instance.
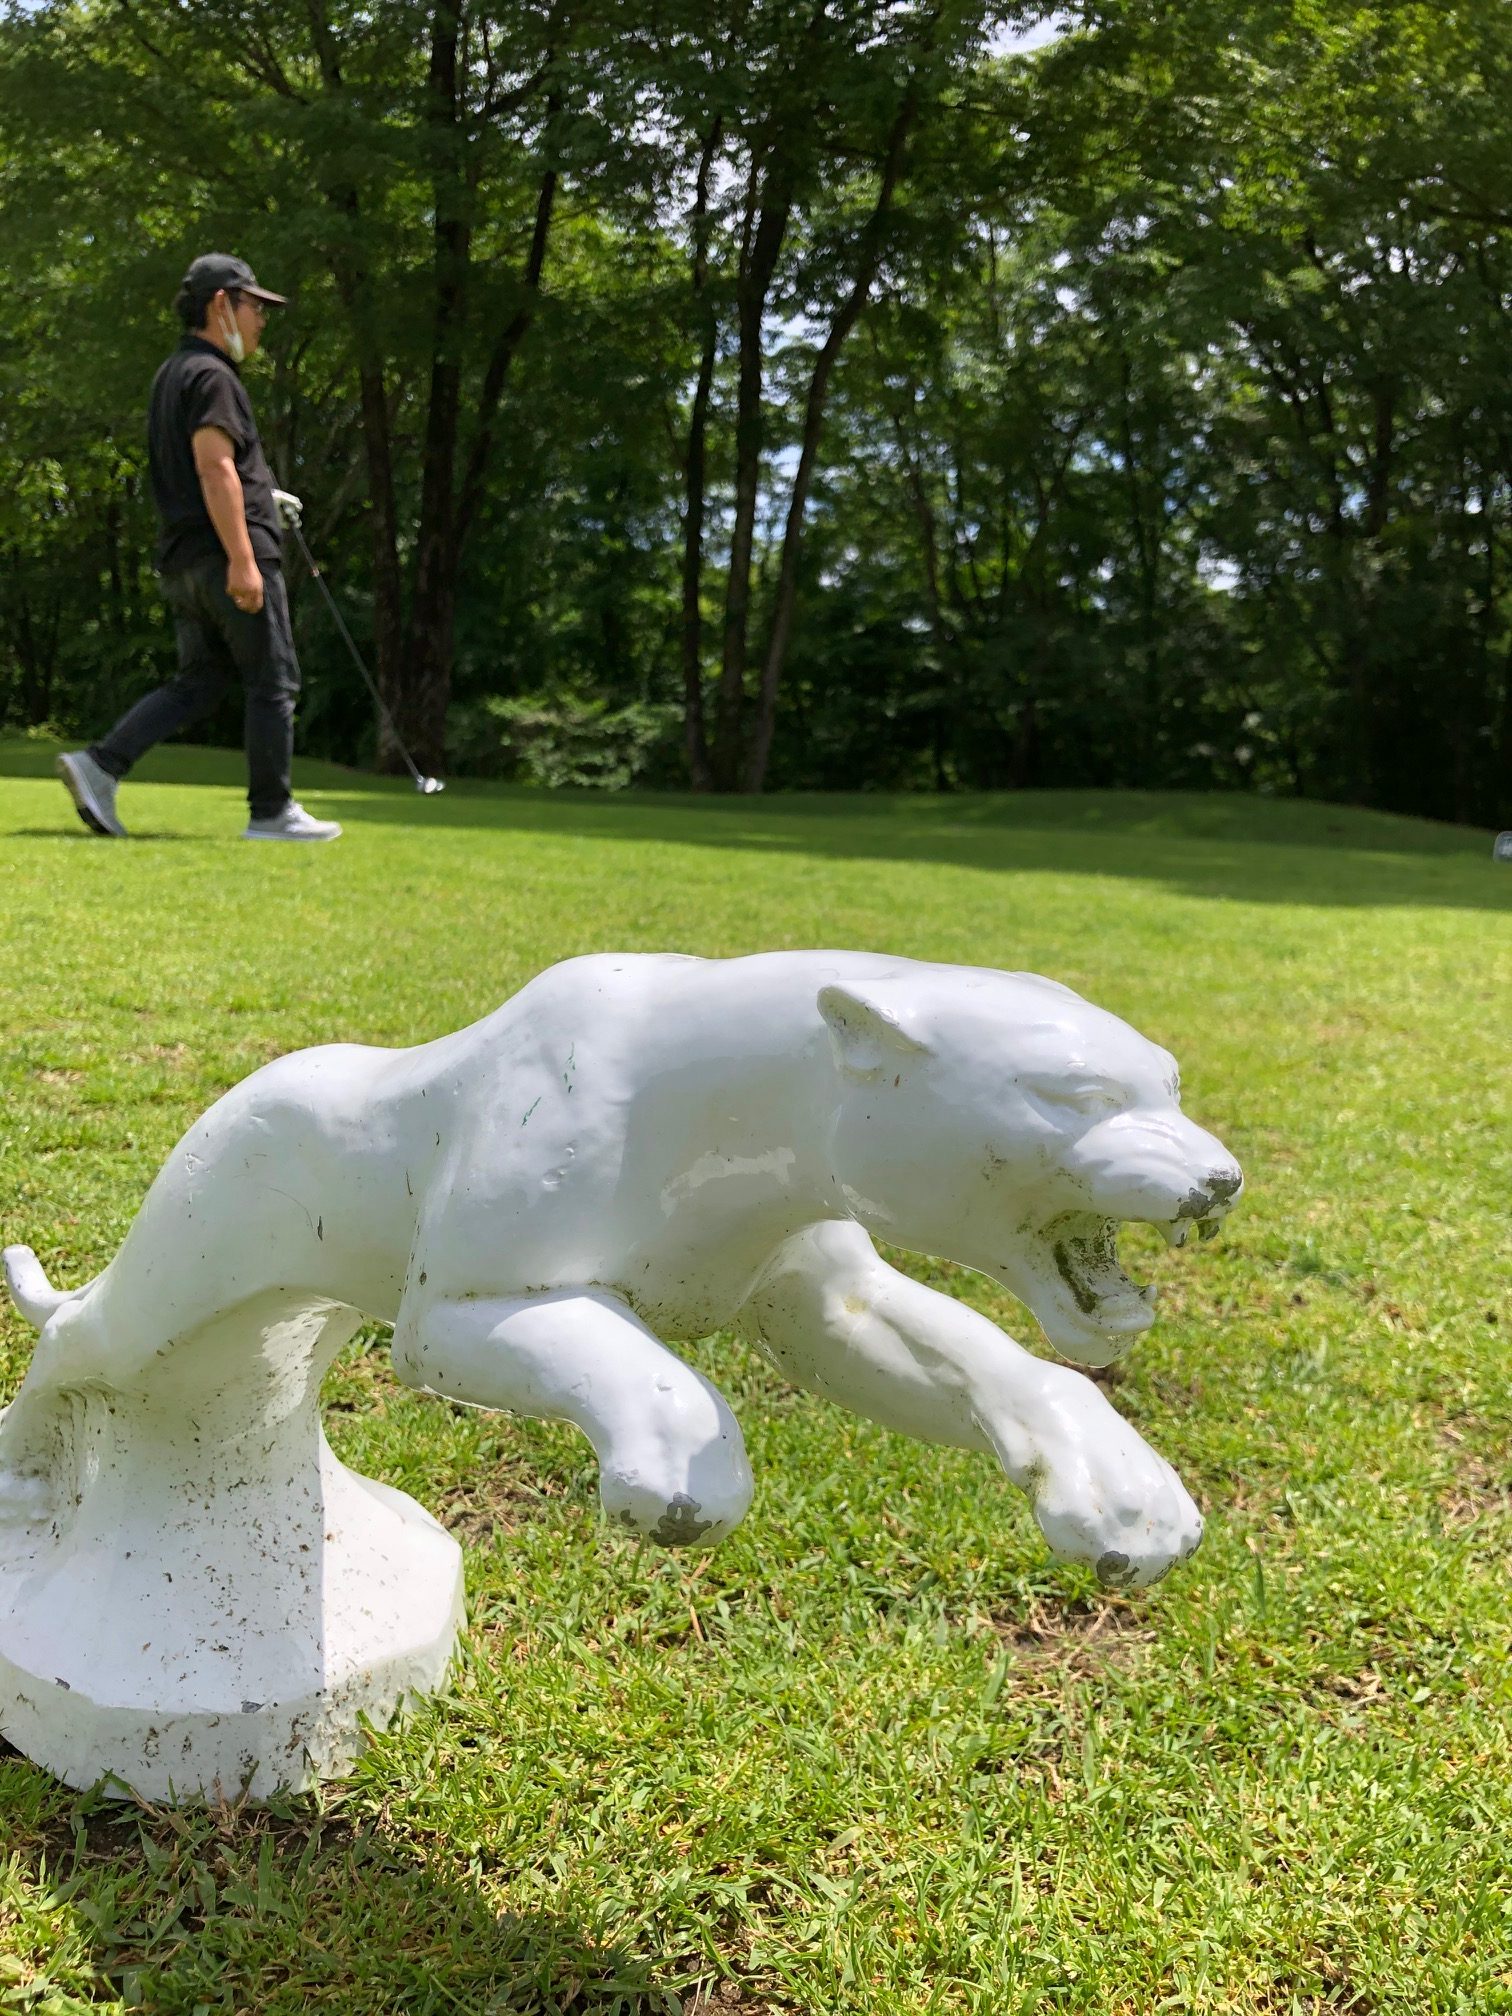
(1219, 1189)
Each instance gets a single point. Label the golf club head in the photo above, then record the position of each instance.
(429, 786)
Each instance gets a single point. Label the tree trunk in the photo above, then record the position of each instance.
(758, 263)
(377, 441)
(507, 347)
(432, 624)
(1147, 551)
(388, 591)
(695, 732)
(350, 275)
(868, 259)
(34, 646)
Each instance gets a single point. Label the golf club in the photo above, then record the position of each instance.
(426, 786)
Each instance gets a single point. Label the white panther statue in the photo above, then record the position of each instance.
(642, 1147)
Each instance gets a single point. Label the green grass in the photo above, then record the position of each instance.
(877, 1752)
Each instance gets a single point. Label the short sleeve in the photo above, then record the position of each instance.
(210, 401)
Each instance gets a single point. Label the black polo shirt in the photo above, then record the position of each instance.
(198, 387)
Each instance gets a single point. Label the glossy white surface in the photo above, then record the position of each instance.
(196, 1597)
(632, 1148)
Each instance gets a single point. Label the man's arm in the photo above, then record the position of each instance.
(215, 465)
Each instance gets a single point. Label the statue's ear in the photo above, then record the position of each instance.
(869, 1039)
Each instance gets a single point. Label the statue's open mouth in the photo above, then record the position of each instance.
(1085, 1248)
(1109, 1302)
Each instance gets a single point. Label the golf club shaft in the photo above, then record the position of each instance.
(357, 659)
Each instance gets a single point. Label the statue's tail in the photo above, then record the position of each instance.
(31, 1291)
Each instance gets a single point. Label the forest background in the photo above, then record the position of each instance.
(800, 393)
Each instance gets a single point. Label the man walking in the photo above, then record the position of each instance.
(219, 560)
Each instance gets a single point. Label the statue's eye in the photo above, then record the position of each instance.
(1090, 1098)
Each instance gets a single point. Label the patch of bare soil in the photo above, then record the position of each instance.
(1331, 1992)
(1482, 1483)
(1103, 1375)
(1085, 1636)
(474, 1513)
(729, 1999)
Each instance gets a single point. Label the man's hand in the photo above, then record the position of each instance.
(244, 584)
(290, 509)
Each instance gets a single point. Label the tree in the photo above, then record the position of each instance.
(409, 155)
(1135, 412)
(796, 128)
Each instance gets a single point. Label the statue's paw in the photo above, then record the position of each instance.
(1117, 1506)
(693, 1505)
(24, 1499)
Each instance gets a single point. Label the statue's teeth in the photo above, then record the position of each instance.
(1179, 1233)
(1150, 1294)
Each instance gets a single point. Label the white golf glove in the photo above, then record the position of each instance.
(290, 509)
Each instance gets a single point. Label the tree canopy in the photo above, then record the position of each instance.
(831, 394)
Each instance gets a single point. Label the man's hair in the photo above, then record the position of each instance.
(190, 307)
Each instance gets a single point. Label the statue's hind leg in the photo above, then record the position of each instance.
(672, 1460)
(32, 1427)
(25, 1496)
(213, 1601)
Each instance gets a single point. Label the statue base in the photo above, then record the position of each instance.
(196, 1610)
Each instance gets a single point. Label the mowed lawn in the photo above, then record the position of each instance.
(878, 1752)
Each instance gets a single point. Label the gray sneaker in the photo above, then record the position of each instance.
(93, 792)
(293, 823)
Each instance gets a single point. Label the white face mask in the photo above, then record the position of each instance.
(236, 349)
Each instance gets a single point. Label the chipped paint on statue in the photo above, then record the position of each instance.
(633, 1148)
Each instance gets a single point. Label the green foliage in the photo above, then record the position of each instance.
(876, 1756)
(566, 740)
(1172, 444)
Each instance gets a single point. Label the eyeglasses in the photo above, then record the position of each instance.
(259, 308)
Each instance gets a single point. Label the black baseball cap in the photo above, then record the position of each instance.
(214, 270)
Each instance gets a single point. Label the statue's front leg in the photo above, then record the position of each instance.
(672, 1460)
(835, 1318)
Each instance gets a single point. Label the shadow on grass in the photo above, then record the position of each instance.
(1216, 845)
(144, 833)
(291, 1908)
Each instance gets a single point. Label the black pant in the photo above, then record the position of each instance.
(218, 643)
